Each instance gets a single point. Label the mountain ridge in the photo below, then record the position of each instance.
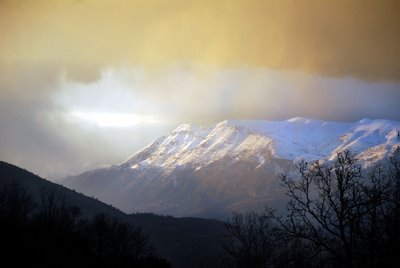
(276, 135)
(233, 165)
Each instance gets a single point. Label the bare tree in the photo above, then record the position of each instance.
(350, 218)
(254, 242)
(327, 206)
(55, 212)
(337, 215)
(115, 239)
(15, 204)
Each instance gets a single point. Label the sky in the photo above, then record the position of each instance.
(86, 83)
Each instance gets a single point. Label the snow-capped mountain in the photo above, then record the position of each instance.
(234, 165)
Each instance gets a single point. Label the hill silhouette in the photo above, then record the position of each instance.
(184, 242)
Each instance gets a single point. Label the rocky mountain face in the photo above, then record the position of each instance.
(232, 166)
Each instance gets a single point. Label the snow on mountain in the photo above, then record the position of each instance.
(233, 166)
(293, 139)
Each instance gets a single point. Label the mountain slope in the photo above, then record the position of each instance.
(234, 165)
(34, 185)
(291, 139)
(185, 242)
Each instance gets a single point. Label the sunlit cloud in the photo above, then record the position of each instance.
(75, 125)
(134, 97)
(113, 101)
(335, 38)
(94, 81)
(118, 120)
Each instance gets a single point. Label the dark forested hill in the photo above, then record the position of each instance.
(34, 184)
(184, 242)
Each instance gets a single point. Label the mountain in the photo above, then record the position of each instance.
(232, 166)
(185, 242)
(34, 185)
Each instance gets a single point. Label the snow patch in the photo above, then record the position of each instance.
(292, 139)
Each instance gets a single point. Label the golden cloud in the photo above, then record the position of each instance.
(337, 38)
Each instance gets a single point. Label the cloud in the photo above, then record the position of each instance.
(197, 94)
(334, 38)
(40, 129)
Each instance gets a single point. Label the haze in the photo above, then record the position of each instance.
(87, 83)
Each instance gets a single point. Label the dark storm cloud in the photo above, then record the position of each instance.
(358, 38)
